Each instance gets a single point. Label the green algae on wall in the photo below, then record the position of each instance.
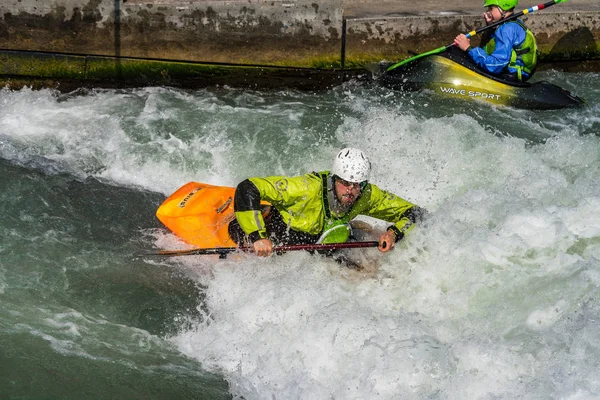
(71, 71)
(42, 65)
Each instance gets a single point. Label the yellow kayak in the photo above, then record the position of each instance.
(451, 74)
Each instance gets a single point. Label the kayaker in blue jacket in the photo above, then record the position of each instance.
(511, 50)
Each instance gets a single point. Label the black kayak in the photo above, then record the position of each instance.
(452, 74)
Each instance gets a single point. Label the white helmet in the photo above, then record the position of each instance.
(351, 165)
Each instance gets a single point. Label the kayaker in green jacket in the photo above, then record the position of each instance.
(318, 207)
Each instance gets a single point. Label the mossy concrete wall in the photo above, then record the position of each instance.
(284, 37)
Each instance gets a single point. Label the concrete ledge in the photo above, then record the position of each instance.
(68, 72)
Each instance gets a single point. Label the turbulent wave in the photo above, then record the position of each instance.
(494, 296)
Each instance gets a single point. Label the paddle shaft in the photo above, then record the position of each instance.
(479, 30)
(223, 251)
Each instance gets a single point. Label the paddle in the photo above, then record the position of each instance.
(223, 251)
(475, 32)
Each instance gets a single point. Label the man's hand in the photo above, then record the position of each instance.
(263, 247)
(462, 42)
(387, 241)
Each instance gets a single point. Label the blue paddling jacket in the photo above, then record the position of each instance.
(512, 49)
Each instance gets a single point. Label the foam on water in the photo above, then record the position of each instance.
(112, 136)
(478, 303)
(494, 296)
(156, 138)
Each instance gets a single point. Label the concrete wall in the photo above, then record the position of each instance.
(240, 32)
(285, 33)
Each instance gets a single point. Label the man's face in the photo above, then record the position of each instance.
(494, 14)
(346, 192)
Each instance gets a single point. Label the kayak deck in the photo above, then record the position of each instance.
(451, 74)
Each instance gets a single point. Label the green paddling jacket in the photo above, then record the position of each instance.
(303, 204)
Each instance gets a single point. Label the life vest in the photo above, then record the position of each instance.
(335, 230)
(526, 52)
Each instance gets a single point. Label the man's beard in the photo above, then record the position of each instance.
(336, 206)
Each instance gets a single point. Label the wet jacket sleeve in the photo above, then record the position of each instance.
(507, 36)
(247, 210)
(389, 207)
(284, 193)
